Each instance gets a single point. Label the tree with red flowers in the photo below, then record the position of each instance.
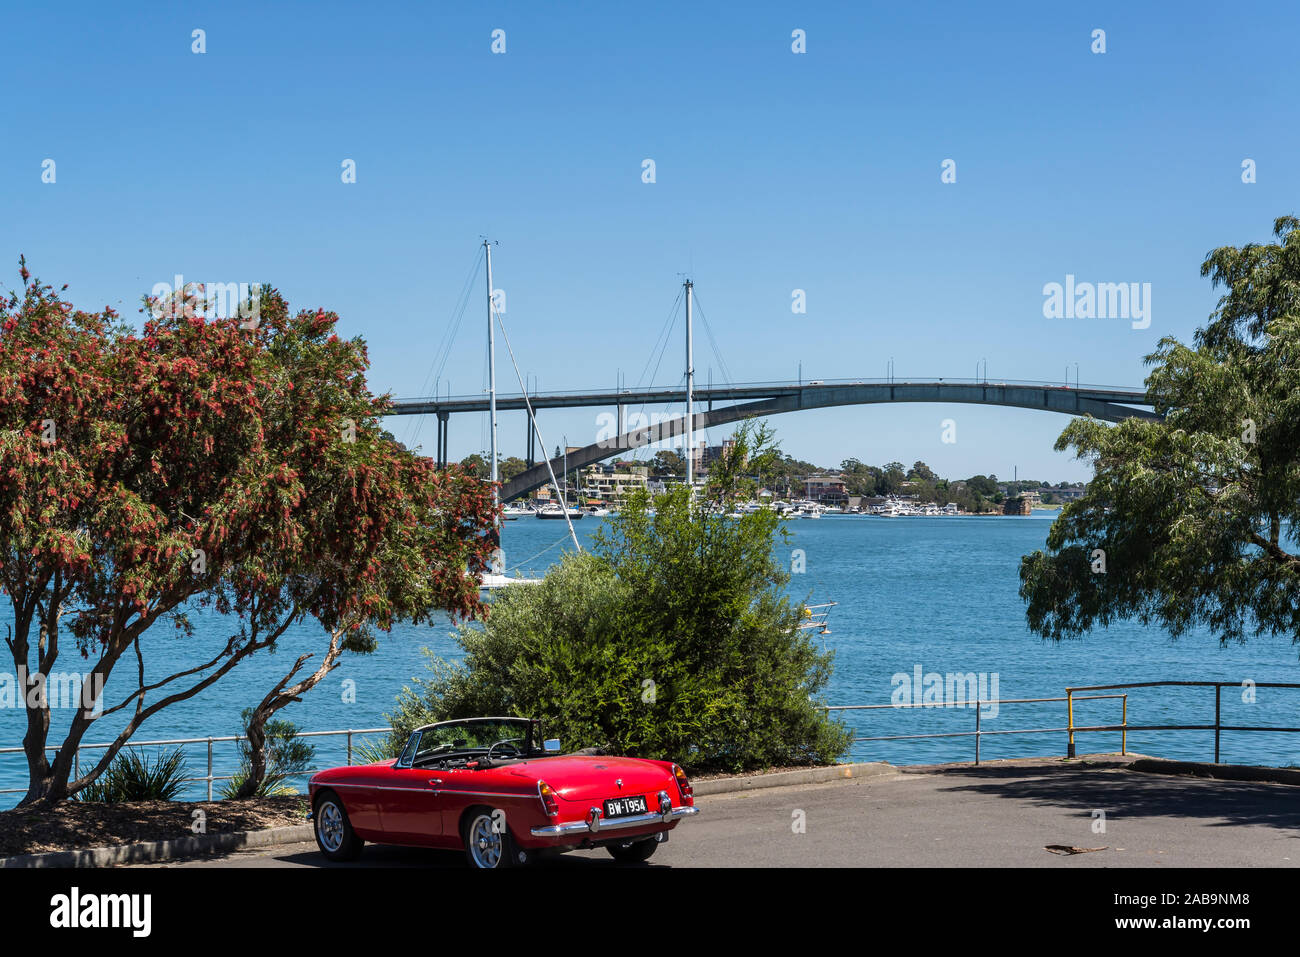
(233, 463)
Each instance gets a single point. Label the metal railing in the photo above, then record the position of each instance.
(721, 389)
(210, 777)
(1218, 727)
(978, 705)
(1072, 695)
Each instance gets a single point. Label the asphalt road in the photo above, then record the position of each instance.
(999, 815)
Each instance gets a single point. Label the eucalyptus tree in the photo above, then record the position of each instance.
(1192, 520)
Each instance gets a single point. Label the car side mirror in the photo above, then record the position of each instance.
(551, 746)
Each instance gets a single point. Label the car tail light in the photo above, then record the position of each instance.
(684, 785)
(547, 795)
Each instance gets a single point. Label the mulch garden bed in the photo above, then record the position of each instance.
(73, 824)
(720, 775)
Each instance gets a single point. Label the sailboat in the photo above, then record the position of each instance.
(496, 578)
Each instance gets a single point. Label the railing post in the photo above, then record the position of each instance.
(1123, 735)
(977, 731)
(76, 764)
(1218, 700)
(1069, 708)
(209, 768)
(349, 747)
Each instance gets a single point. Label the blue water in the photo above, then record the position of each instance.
(936, 592)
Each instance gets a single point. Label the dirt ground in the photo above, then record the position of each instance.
(73, 824)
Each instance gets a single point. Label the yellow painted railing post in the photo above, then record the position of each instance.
(1069, 707)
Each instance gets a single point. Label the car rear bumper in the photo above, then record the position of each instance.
(596, 823)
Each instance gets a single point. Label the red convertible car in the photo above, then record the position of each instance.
(492, 787)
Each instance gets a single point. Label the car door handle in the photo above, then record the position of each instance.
(435, 781)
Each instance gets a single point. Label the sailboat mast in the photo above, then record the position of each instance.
(492, 379)
(690, 386)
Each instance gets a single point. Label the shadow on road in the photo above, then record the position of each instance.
(388, 855)
(1134, 793)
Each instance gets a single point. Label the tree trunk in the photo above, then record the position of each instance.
(256, 752)
(280, 696)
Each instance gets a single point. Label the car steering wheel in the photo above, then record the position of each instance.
(515, 752)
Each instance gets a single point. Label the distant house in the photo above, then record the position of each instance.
(826, 489)
(611, 484)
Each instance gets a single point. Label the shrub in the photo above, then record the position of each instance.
(286, 757)
(132, 777)
(373, 752)
(673, 638)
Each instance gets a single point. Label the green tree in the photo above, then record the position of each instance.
(921, 472)
(891, 480)
(749, 463)
(667, 462)
(203, 463)
(1193, 520)
(672, 638)
(266, 770)
(861, 479)
(510, 467)
(476, 465)
(983, 485)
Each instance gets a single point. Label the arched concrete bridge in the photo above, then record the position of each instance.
(1101, 402)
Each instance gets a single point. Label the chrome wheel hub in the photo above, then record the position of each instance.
(329, 826)
(486, 845)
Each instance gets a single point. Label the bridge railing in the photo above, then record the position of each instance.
(780, 385)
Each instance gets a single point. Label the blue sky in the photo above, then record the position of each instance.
(774, 171)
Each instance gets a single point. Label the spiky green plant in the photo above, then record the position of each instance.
(133, 777)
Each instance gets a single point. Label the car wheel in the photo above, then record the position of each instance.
(488, 843)
(334, 834)
(633, 852)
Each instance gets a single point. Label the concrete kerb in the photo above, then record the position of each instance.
(198, 844)
(776, 779)
(1218, 772)
(150, 851)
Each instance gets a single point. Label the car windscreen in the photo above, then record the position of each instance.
(458, 737)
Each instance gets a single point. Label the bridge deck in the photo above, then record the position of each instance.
(752, 390)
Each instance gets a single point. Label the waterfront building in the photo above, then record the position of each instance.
(706, 455)
(826, 489)
(611, 484)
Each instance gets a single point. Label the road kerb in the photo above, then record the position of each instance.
(152, 851)
(778, 779)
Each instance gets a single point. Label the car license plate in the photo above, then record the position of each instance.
(622, 807)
